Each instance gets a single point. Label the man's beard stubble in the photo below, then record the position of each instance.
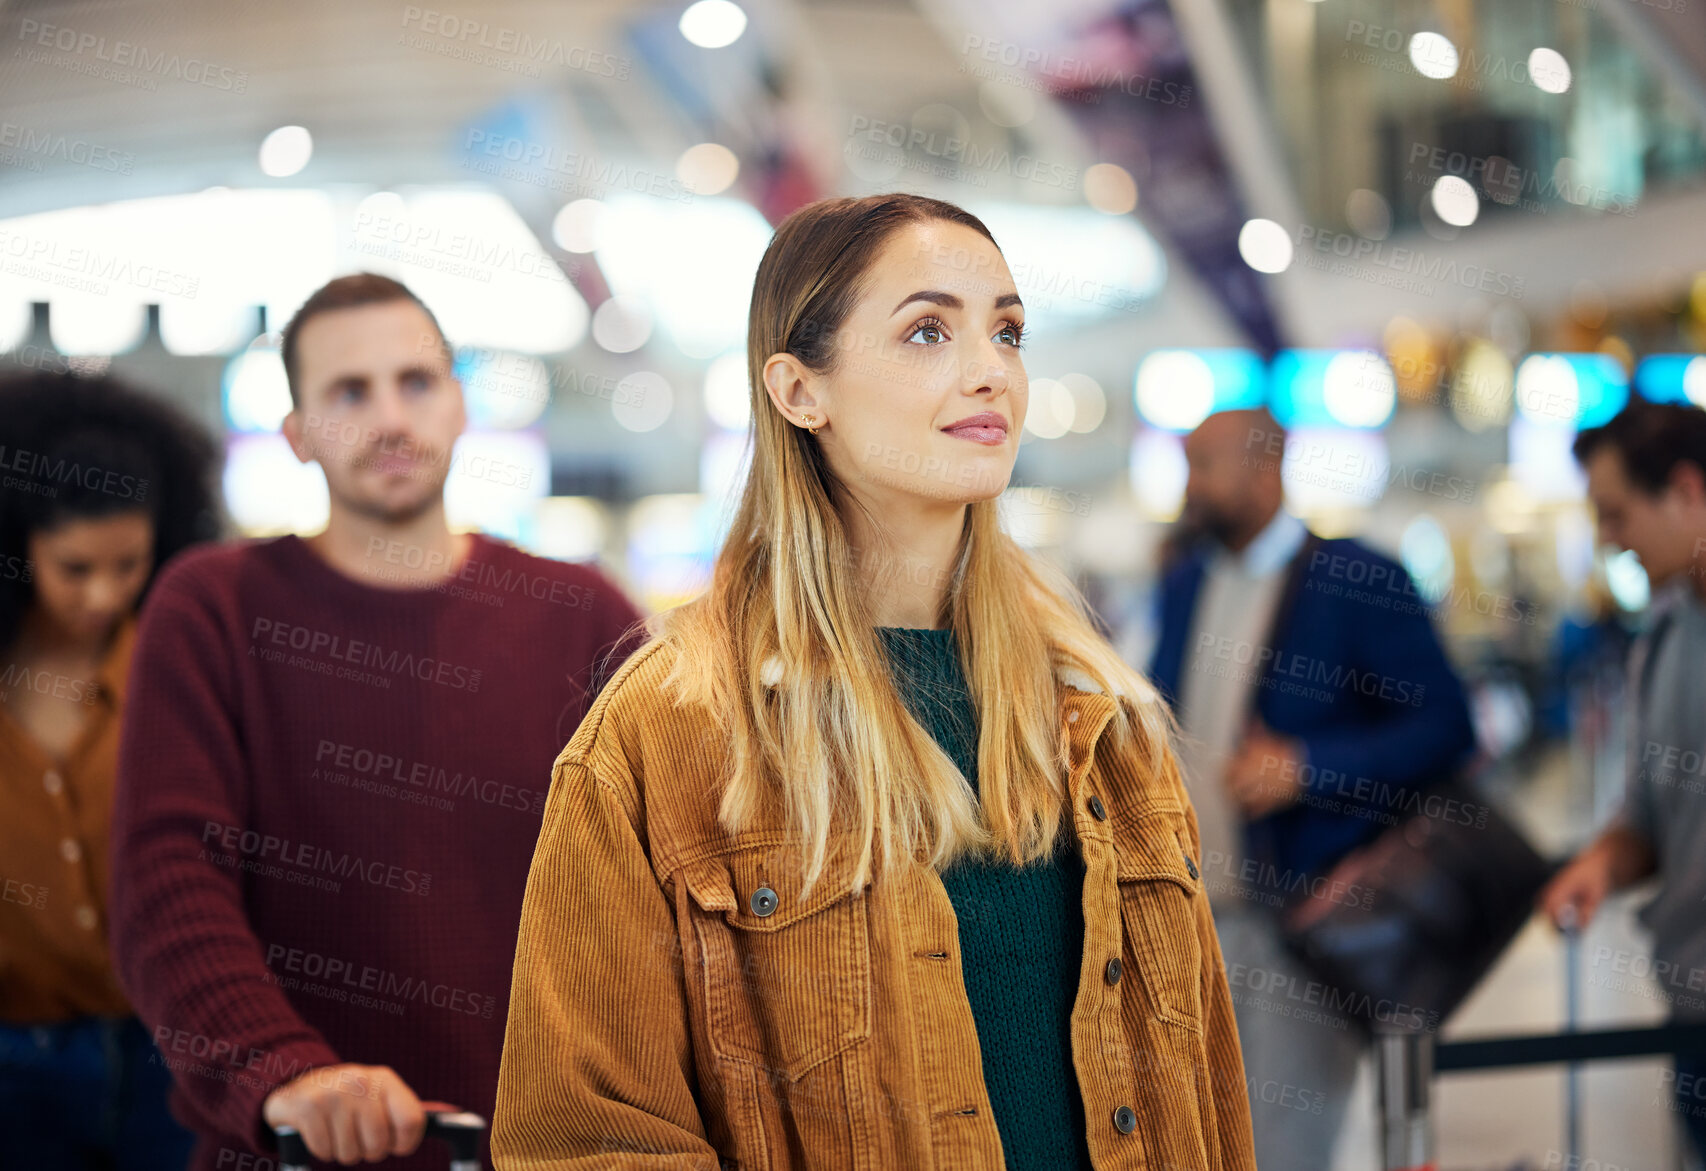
(392, 515)
(435, 465)
(1204, 520)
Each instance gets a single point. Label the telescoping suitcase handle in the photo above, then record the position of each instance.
(460, 1131)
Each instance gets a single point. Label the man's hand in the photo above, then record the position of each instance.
(350, 1113)
(1617, 858)
(1573, 896)
(1265, 773)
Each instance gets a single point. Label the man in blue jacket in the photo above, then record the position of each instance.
(1314, 700)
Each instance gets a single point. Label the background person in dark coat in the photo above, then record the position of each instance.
(1299, 744)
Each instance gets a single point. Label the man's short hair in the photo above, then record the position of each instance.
(1652, 438)
(345, 292)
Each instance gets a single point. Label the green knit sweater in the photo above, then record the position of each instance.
(1021, 936)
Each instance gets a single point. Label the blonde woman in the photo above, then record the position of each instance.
(876, 856)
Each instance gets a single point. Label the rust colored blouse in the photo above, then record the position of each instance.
(54, 815)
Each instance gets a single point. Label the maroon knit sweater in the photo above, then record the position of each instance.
(328, 798)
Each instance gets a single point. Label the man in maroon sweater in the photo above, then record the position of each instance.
(334, 766)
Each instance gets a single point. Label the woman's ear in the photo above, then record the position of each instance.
(795, 391)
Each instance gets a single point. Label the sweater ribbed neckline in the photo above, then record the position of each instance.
(318, 574)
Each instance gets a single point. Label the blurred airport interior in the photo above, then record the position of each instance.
(1437, 238)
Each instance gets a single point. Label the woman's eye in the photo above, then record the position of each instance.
(1013, 334)
(931, 328)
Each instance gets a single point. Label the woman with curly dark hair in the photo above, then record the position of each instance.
(99, 485)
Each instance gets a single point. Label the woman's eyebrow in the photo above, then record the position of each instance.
(935, 296)
(948, 300)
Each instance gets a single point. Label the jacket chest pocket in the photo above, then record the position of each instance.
(787, 980)
(1159, 888)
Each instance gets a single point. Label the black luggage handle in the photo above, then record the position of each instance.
(460, 1131)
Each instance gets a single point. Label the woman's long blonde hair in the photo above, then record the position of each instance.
(832, 739)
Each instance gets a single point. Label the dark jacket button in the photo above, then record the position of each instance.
(763, 901)
(1097, 809)
(1124, 1120)
(1113, 971)
(1190, 865)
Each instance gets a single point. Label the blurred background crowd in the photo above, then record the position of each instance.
(1436, 239)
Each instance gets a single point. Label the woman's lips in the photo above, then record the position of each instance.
(988, 435)
(988, 429)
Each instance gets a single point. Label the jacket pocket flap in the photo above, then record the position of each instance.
(707, 880)
(1152, 847)
(762, 889)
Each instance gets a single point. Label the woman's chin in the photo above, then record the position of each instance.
(991, 490)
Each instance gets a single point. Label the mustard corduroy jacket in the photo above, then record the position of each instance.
(677, 1004)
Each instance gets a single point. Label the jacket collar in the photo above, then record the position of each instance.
(1085, 707)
